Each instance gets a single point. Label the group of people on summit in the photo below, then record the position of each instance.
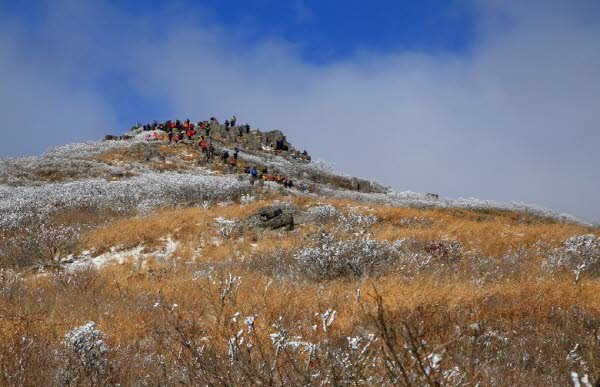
(176, 131)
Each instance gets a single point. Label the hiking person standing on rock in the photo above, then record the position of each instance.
(233, 120)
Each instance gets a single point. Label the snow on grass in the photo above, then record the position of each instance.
(151, 189)
(413, 199)
(71, 162)
(117, 256)
(580, 254)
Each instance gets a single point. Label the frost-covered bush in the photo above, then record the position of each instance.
(356, 220)
(323, 213)
(19, 204)
(579, 254)
(86, 356)
(331, 257)
(247, 199)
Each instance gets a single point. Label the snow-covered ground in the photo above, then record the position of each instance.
(119, 256)
(25, 195)
(141, 192)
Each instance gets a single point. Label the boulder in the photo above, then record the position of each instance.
(274, 216)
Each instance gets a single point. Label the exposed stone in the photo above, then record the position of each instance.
(274, 216)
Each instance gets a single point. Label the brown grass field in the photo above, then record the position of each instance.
(485, 312)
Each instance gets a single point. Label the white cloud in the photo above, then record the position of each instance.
(39, 105)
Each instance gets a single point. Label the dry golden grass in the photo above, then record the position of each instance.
(521, 315)
(121, 299)
(493, 234)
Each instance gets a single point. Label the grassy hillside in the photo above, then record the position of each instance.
(363, 289)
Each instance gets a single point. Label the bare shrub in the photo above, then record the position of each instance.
(249, 349)
(323, 213)
(406, 357)
(38, 243)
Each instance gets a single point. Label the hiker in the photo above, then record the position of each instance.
(233, 120)
(202, 144)
(226, 126)
(247, 129)
(235, 153)
(240, 131)
(254, 172)
(203, 150)
(247, 170)
(305, 155)
(225, 156)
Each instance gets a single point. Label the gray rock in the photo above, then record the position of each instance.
(273, 217)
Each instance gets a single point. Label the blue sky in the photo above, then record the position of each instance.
(321, 32)
(328, 30)
(485, 98)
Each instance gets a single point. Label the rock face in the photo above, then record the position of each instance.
(258, 140)
(360, 185)
(273, 217)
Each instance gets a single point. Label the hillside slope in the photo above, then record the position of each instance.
(140, 261)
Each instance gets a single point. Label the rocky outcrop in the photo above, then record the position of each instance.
(273, 217)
